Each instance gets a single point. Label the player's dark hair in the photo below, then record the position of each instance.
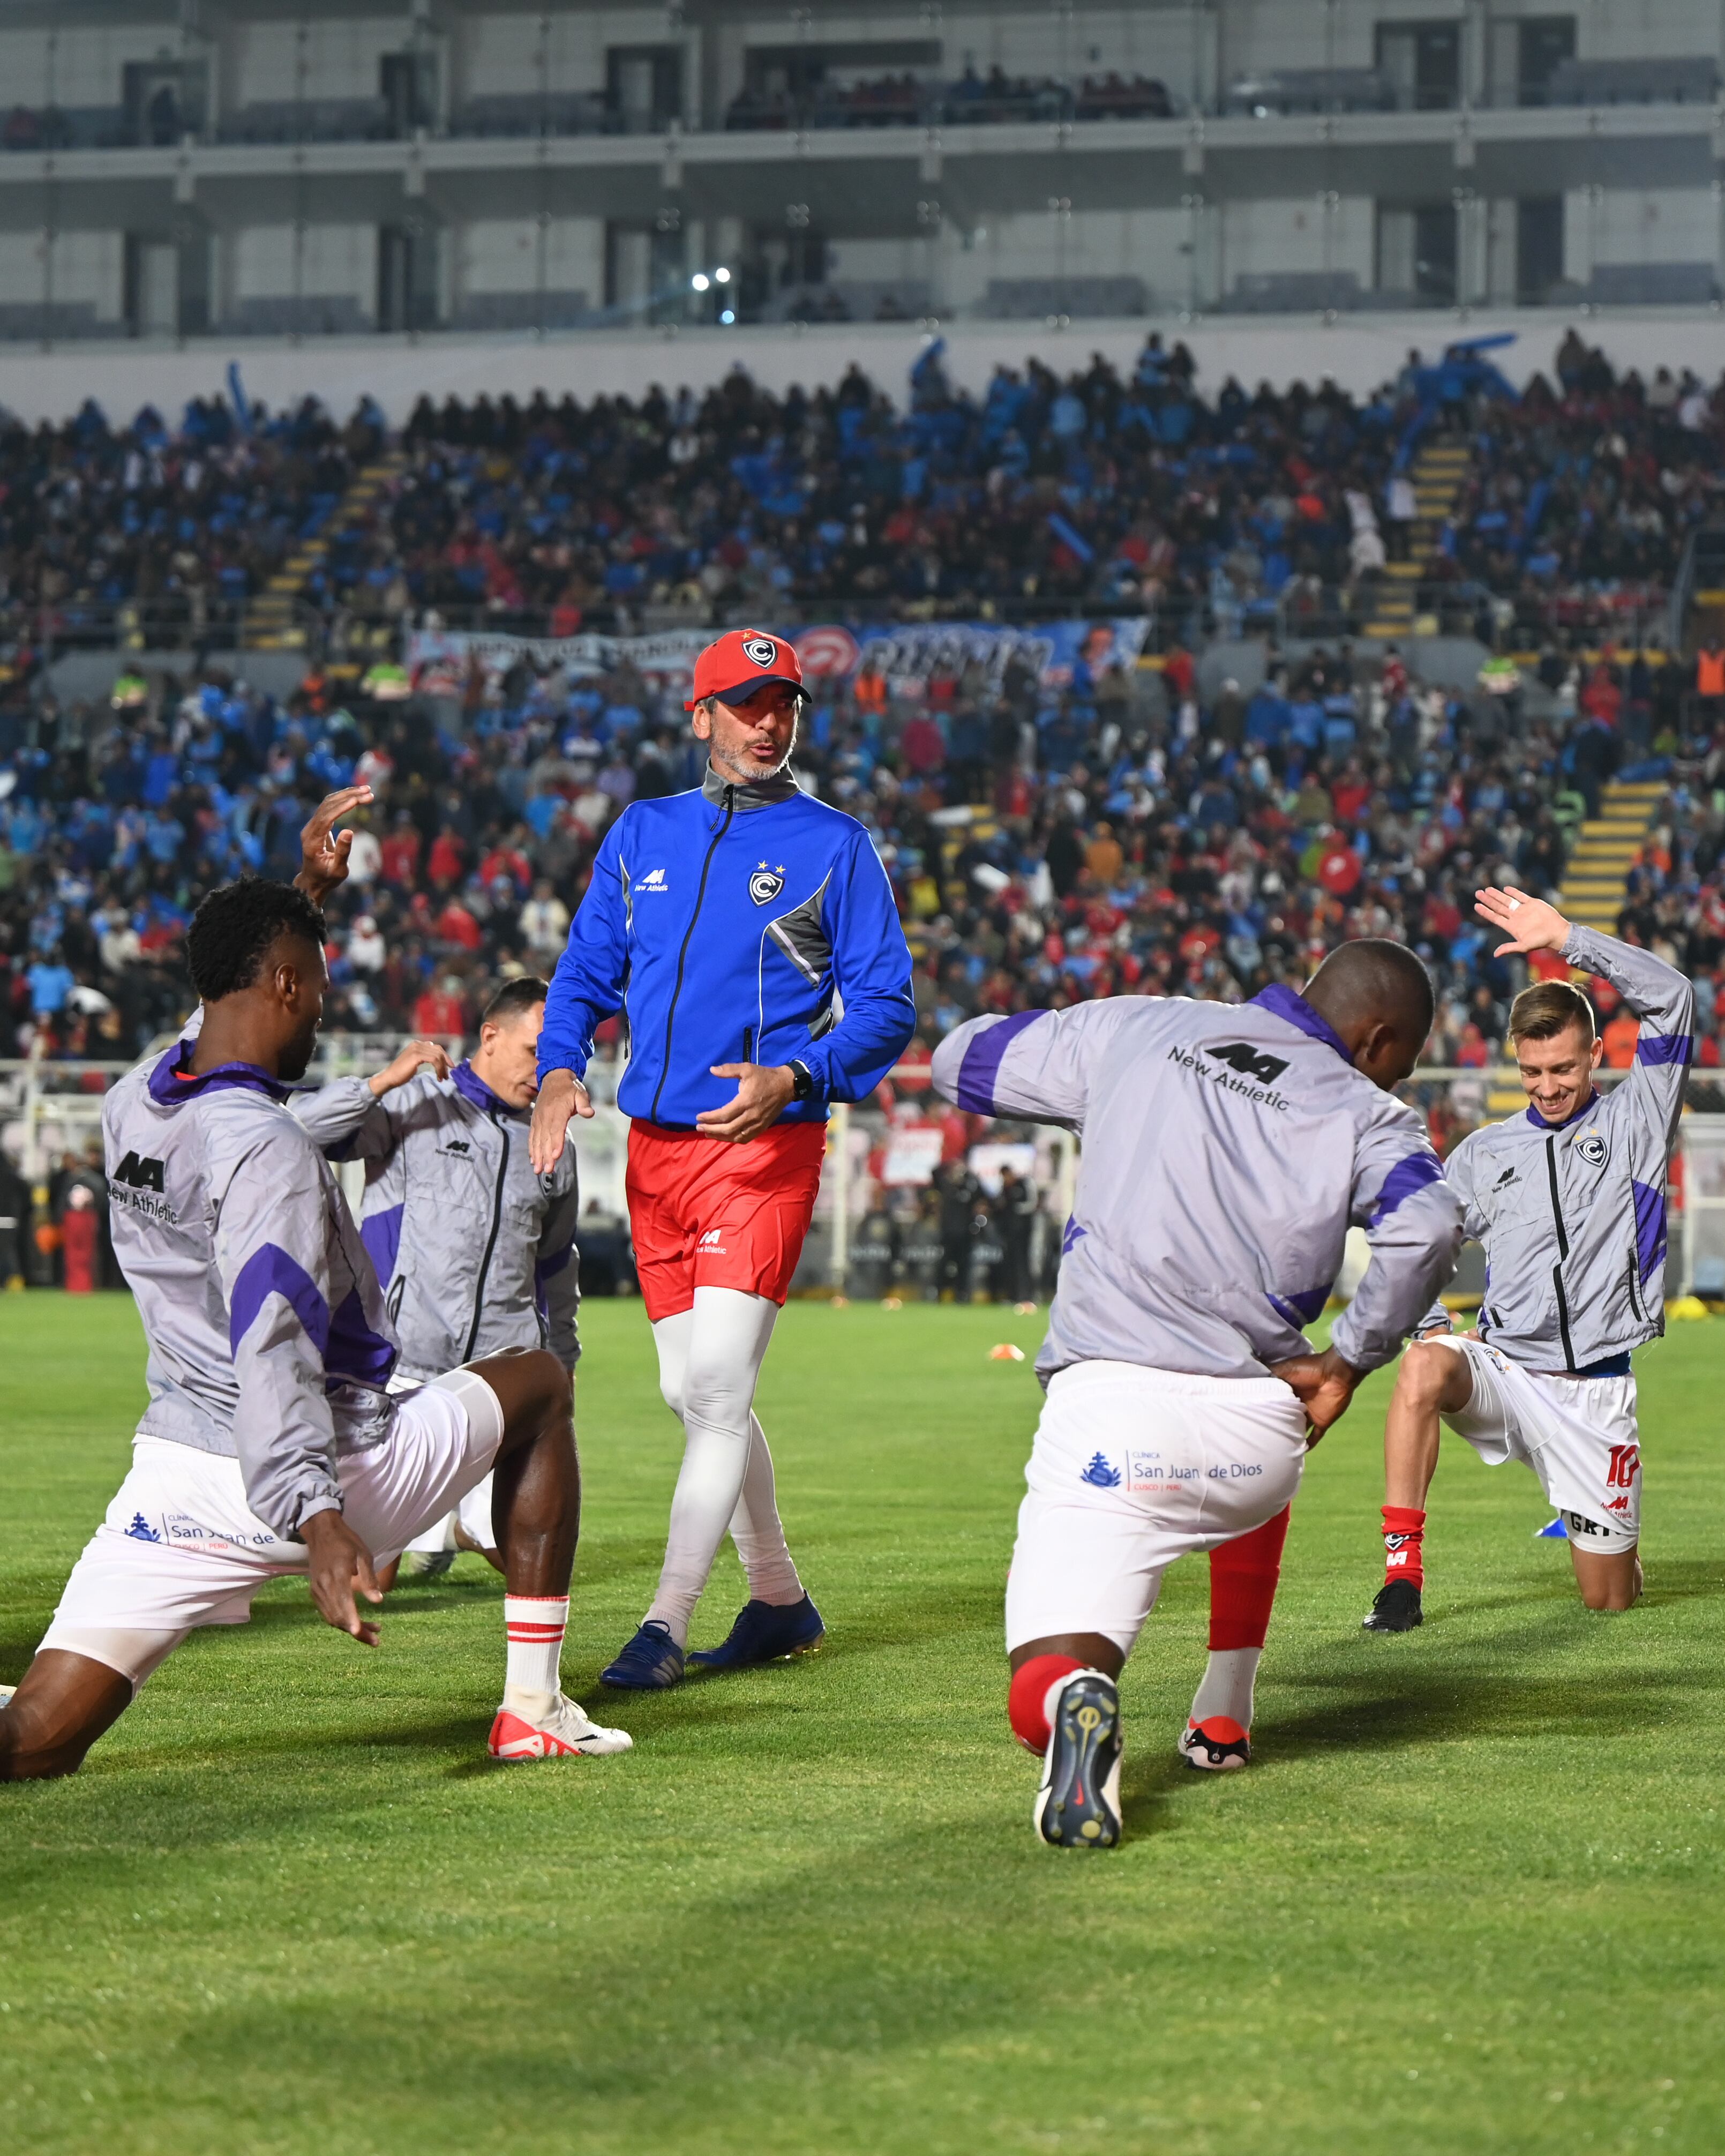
(1372, 978)
(1547, 1008)
(514, 1000)
(234, 927)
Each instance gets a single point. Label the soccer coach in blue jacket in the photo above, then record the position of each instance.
(748, 934)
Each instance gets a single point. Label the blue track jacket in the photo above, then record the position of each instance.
(734, 924)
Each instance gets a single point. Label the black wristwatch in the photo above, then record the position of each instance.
(801, 1081)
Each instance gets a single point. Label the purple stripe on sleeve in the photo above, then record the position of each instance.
(355, 1351)
(1665, 1048)
(981, 1066)
(1303, 1309)
(380, 1234)
(1650, 1225)
(1403, 1180)
(269, 1271)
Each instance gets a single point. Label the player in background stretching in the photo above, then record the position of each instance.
(749, 935)
(474, 1251)
(1226, 1152)
(271, 1444)
(1569, 1202)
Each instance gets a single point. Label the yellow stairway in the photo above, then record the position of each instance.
(1438, 470)
(1593, 893)
(271, 622)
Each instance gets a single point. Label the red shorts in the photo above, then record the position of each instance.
(707, 1214)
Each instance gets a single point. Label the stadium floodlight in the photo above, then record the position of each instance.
(728, 317)
(700, 281)
(721, 277)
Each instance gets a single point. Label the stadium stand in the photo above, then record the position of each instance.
(1139, 823)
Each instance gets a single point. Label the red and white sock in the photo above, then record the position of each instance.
(535, 1625)
(1244, 1575)
(1404, 1544)
(1031, 1695)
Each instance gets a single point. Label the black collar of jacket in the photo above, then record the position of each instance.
(724, 794)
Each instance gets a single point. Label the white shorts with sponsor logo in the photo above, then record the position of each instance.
(180, 1546)
(1578, 1435)
(1131, 1469)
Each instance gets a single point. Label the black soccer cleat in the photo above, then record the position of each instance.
(1397, 1609)
(1078, 1805)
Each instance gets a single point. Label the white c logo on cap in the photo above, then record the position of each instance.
(761, 650)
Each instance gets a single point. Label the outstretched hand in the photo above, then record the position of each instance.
(1530, 923)
(340, 1568)
(1324, 1384)
(323, 852)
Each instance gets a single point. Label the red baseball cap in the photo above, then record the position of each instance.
(736, 666)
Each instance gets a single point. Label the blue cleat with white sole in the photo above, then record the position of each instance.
(765, 1632)
(1078, 1805)
(652, 1661)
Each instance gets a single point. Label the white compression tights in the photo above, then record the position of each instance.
(710, 1359)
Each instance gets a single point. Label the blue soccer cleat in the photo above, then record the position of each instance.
(765, 1632)
(652, 1661)
(1078, 1805)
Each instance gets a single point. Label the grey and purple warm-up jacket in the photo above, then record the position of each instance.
(1571, 1215)
(476, 1251)
(1227, 1151)
(268, 1338)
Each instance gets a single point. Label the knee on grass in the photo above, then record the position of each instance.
(65, 1701)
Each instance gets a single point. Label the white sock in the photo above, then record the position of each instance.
(758, 1531)
(535, 1625)
(1227, 1685)
(723, 1344)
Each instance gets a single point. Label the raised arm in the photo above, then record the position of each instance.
(1662, 998)
(347, 1120)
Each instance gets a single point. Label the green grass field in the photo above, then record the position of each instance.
(1469, 1897)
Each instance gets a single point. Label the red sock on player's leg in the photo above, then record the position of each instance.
(1404, 1544)
(1243, 1577)
(1026, 1700)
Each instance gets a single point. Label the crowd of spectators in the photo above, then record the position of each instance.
(1111, 827)
(1111, 492)
(167, 532)
(1114, 833)
(1581, 492)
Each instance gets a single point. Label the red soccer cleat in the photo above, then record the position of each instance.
(564, 1734)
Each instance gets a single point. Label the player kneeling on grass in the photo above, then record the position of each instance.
(272, 1443)
(1226, 1153)
(474, 1250)
(1568, 1201)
